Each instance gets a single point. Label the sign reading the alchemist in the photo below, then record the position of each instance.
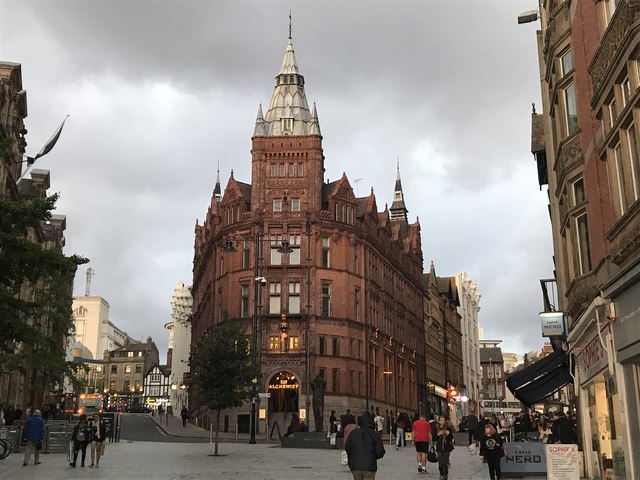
(563, 462)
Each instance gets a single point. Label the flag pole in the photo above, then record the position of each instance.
(46, 149)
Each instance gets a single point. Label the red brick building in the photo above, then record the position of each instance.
(345, 303)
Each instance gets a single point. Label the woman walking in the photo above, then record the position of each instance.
(444, 446)
(491, 451)
(98, 434)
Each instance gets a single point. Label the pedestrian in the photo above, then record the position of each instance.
(184, 414)
(492, 451)
(347, 418)
(8, 415)
(17, 415)
(81, 438)
(472, 425)
(563, 430)
(98, 436)
(379, 421)
(505, 427)
(421, 439)
(400, 426)
(34, 430)
(364, 447)
(333, 429)
(444, 446)
(160, 411)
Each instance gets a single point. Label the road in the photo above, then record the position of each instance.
(138, 427)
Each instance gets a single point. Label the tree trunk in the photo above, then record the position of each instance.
(215, 441)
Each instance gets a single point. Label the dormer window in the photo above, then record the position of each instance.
(287, 125)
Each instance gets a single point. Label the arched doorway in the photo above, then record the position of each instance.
(283, 388)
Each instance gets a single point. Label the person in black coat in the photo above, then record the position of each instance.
(364, 447)
(81, 438)
(491, 451)
(472, 425)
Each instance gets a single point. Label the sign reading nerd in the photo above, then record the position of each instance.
(563, 462)
(553, 324)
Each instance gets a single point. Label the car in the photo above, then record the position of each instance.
(138, 408)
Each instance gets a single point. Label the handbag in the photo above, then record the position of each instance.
(432, 456)
(472, 449)
(345, 459)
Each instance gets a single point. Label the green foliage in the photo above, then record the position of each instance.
(35, 293)
(224, 368)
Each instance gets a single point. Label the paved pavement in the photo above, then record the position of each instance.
(128, 460)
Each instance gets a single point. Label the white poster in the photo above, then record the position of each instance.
(563, 462)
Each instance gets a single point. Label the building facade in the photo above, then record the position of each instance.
(586, 144)
(93, 328)
(344, 304)
(157, 388)
(469, 307)
(179, 345)
(124, 372)
(23, 381)
(492, 392)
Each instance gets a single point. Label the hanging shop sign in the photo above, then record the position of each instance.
(592, 359)
(554, 324)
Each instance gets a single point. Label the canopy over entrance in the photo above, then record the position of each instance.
(541, 379)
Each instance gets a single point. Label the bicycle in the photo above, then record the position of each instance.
(5, 448)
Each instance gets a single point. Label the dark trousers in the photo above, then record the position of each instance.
(184, 421)
(494, 468)
(443, 463)
(472, 435)
(79, 447)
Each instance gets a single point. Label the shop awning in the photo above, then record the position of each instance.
(540, 379)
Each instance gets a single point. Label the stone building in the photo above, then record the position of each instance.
(124, 372)
(179, 345)
(468, 310)
(585, 142)
(345, 303)
(24, 383)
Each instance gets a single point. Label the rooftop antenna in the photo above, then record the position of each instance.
(90, 273)
(289, 24)
(356, 182)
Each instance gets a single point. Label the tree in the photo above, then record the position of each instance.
(224, 369)
(35, 294)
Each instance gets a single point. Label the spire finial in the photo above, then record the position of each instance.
(289, 24)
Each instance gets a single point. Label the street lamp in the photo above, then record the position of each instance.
(259, 280)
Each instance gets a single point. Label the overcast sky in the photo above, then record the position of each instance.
(159, 92)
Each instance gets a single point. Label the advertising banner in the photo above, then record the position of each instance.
(524, 458)
(563, 462)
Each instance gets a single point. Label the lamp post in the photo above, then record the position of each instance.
(258, 280)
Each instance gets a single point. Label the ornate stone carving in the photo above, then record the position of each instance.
(627, 245)
(569, 154)
(581, 294)
(622, 20)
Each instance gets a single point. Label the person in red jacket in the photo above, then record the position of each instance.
(421, 439)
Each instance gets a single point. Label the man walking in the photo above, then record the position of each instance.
(34, 430)
(184, 414)
(421, 439)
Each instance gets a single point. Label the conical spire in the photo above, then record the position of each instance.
(288, 112)
(398, 209)
(314, 126)
(217, 191)
(259, 130)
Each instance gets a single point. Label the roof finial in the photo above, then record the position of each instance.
(289, 24)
